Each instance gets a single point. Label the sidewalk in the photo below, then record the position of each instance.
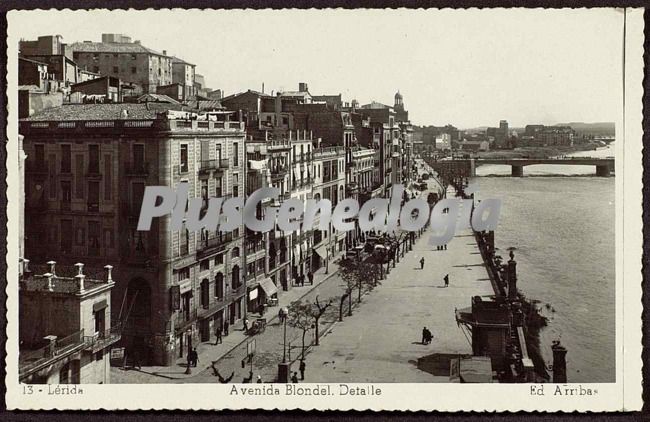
(209, 352)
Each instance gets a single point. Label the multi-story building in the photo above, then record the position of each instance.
(183, 74)
(328, 183)
(87, 169)
(302, 179)
(65, 326)
(549, 135)
(129, 61)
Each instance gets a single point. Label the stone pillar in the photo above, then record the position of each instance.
(517, 171)
(79, 278)
(109, 276)
(51, 345)
(559, 363)
(512, 279)
(52, 266)
(50, 285)
(80, 267)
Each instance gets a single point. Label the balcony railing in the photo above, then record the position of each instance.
(36, 167)
(209, 165)
(137, 169)
(33, 359)
(103, 339)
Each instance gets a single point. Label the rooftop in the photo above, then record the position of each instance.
(100, 47)
(181, 61)
(115, 111)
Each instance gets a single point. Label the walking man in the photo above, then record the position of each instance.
(294, 378)
(424, 335)
(310, 276)
(195, 357)
(245, 325)
(422, 263)
(302, 369)
(225, 328)
(447, 280)
(219, 340)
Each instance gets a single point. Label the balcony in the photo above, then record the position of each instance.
(93, 172)
(36, 167)
(102, 340)
(279, 172)
(213, 165)
(137, 169)
(212, 245)
(30, 361)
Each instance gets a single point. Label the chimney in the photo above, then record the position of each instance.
(109, 276)
(164, 52)
(50, 286)
(79, 278)
(262, 87)
(80, 268)
(136, 42)
(52, 265)
(302, 87)
(559, 363)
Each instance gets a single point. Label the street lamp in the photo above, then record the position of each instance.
(284, 368)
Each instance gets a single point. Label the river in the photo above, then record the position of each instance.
(562, 227)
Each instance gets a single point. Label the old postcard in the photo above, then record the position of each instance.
(333, 209)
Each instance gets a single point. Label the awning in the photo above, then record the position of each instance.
(98, 306)
(252, 295)
(186, 286)
(269, 287)
(321, 251)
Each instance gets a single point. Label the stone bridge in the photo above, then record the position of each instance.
(468, 166)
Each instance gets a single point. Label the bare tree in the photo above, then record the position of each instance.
(301, 317)
(317, 313)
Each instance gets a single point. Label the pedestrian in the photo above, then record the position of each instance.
(259, 379)
(281, 315)
(447, 280)
(310, 276)
(445, 246)
(245, 325)
(248, 379)
(190, 356)
(302, 280)
(424, 335)
(195, 357)
(302, 369)
(422, 263)
(225, 328)
(294, 378)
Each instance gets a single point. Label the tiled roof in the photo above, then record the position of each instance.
(103, 112)
(206, 104)
(250, 91)
(178, 60)
(159, 98)
(100, 47)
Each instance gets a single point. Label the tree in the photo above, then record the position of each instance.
(318, 312)
(357, 275)
(301, 317)
(349, 274)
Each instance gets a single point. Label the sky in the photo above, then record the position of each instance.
(468, 68)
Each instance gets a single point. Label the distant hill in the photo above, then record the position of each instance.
(597, 129)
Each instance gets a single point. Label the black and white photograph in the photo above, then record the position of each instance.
(339, 206)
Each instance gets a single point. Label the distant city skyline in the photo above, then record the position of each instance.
(465, 68)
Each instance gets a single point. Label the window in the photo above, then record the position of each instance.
(93, 159)
(100, 321)
(218, 286)
(133, 57)
(66, 236)
(108, 238)
(204, 265)
(96, 69)
(205, 294)
(235, 252)
(64, 374)
(235, 191)
(66, 194)
(93, 196)
(235, 154)
(185, 244)
(137, 195)
(108, 180)
(184, 165)
(66, 159)
(183, 274)
(93, 238)
(218, 260)
(218, 182)
(115, 69)
(235, 277)
(134, 70)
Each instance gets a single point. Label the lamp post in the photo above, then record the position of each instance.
(284, 368)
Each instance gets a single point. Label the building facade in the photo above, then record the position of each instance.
(129, 61)
(86, 173)
(65, 326)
